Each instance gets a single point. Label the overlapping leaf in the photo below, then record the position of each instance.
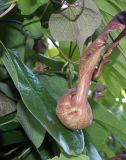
(32, 127)
(32, 27)
(41, 104)
(106, 118)
(97, 135)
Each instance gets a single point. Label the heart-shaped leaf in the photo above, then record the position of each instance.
(76, 23)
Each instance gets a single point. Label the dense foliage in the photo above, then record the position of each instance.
(41, 42)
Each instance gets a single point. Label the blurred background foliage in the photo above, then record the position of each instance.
(41, 42)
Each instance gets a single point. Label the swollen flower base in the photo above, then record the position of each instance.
(73, 109)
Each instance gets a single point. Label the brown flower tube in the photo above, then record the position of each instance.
(73, 109)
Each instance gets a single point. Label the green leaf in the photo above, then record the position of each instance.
(45, 152)
(64, 157)
(93, 153)
(8, 122)
(119, 136)
(111, 7)
(118, 60)
(111, 123)
(6, 89)
(53, 86)
(29, 6)
(63, 29)
(3, 73)
(107, 151)
(32, 27)
(115, 82)
(6, 105)
(96, 134)
(11, 137)
(32, 127)
(28, 154)
(12, 36)
(107, 7)
(54, 63)
(41, 104)
(107, 119)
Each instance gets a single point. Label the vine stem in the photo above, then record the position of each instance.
(61, 52)
(8, 10)
(45, 10)
(119, 47)
(115, 43)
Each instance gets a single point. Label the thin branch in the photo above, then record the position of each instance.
(46, 7)
(70, 49)
(8, 10)
(57, 2)
(10, 21)
(8, 3)
(74, 49)
(52, 72)
(119, 47)
(61, 52)
(26, 151)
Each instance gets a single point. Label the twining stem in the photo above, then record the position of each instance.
(8, 10)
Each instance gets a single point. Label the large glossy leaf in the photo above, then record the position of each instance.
(119, 136)
(106, 118)
(32, 127)
(63, 157)
(97, 135)
(115, 82)
(107, 7)
(111, 7)
(41, 104)
(93, 153)
(53, 86)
